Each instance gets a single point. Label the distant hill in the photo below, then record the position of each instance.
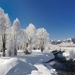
(69, 40)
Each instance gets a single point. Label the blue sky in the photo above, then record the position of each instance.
(56, 16)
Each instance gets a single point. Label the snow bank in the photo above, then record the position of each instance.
(69, 54)
(7, 64)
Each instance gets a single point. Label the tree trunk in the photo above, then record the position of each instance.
(4, 43)
(15, 51)
(3, 52)
(42, 49)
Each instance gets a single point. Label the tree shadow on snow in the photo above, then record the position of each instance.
(22, 68)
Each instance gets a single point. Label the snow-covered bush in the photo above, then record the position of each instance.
(28, 49)
(10, 49)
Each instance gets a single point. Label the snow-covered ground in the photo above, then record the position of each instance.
(31, 64)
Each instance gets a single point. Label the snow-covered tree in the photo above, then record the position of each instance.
(43, 38)
(14, 32)
(31, 34)
(4, 21)
(16, 25)
(24, 42)
(4, 24)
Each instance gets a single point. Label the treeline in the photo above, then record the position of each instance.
(13, 37)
